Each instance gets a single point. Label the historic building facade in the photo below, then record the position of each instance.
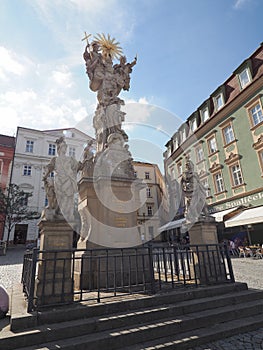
(33, 151)
(7, 148)
(153, 211)
(224, 139)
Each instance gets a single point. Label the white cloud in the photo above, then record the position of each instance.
(240, 3)
(62, 76)
(92, 16)
(137, 111)
(38, 96)
(9, 64)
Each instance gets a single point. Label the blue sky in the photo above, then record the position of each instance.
(185, 49)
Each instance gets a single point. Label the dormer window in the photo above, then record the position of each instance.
(205, 114)
(219, 101)
(193, 125)
(183, 134)
(244, 78)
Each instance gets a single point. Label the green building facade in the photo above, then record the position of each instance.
(224, 139)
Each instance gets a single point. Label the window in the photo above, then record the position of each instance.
(172, 174)
(256, 114)
(27, 170)
(46, 202)
(29, 146)
(183, 135)
(244, 78)
(149, 210)
(212, 146)
(236, 175)
(175, 143)
(147, 175)
(72, 152)
(228, 134)
(150, 229)
(193, 125)
(219, 184)
(52, 174)
(219, 101)
(205, 114)
(199, 153)
(206, 186)
(148, 192)
(51, 149)
(179, 168)
(135, 174)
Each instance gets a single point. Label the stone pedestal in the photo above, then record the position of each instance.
(108, 209)
(54, 282)
(208, 260)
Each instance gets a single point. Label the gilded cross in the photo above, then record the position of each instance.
(86, 37)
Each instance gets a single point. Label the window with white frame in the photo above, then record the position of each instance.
(219, 100)
(193, 125)
(212, 145)
(175, 143)
(228, 134)
(219, 183)
(148, 192)
(199, 153)
(147, 175)
(27, 170)
(149, 210)
(236, 175)
(244, 78)
(205, 183)
(51, 149)
(172, 174)
(180, 168)
(205, 114)
(183, 135)
(29, 146)
(72, 152)
(256, 114)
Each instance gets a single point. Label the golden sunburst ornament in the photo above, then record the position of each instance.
(109, 46)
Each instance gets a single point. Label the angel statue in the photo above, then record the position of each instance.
(193, 194)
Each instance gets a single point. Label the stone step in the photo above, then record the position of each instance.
(200, 336)
(84, 310)
(141, 337)
(153, 323)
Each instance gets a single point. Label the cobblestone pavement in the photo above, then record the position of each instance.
(247, 270)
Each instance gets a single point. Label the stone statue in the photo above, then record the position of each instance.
(65, 181)
(108, 81)
(193, 194)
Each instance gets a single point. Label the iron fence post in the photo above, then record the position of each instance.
(229, 263)
(32, 280)
(150, 253)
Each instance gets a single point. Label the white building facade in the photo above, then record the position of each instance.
(34, 150)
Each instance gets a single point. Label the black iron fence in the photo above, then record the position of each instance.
(64, 276)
